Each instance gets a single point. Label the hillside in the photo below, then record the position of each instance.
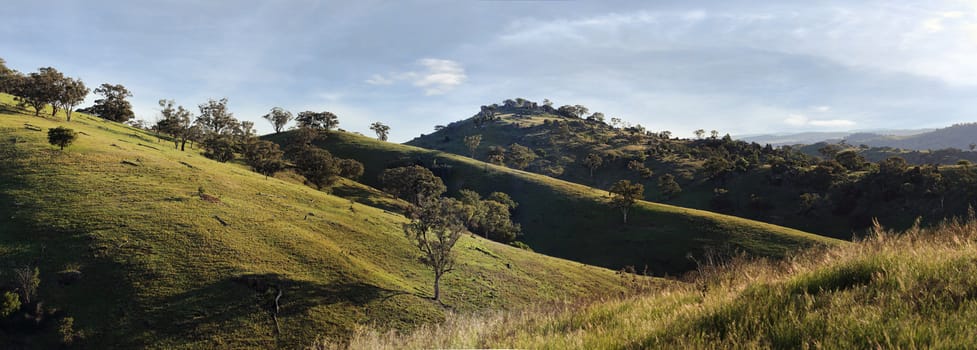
(914, 290)
(145, 246)
(573, 221)
(788, 186)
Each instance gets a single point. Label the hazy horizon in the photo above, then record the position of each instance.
(737, 67)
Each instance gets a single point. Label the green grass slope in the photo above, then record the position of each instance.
(572, 221)
(160, 270)
(917, 290)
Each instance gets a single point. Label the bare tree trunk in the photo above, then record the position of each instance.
(625, 212)
(437, 287)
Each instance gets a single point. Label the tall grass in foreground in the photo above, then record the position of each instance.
(915, 289)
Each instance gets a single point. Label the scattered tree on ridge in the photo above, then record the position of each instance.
(496, 155)
(215, 118)
(381, 130)
(472, 142)
(38, 89)
(436, 225)
(71, 93)
(317, 165)
(279, 118)
(61, 136)
(624, 194)
(113, 104)
(318, 120)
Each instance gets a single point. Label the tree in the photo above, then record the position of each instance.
(412, 183)
(503, 198)
(178, 122)
(716, 167)
(9, 78)
(569, 111)
(520, 156)
(220, 148)
(668, 186)
(318, 120)
(38, 89)
(714, 134)
(496, 155)
(9, 304)
(214, 117)
(27, 280)
(61, 136)
(624, 194)
(436, 225)
(350, 169)
(381, 130)
(278, 117)
(699, 133)
(490, 217)
(592, 162)
(113, 104)
(264, 157)
(317, 165)
(973, 146)
(851, 160)
(72, 92)
(472, 142)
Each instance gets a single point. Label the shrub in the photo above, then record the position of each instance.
(61, 136)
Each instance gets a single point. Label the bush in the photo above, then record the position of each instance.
(9, 304)
(61, 136)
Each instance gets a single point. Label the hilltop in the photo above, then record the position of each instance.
(836, 194)
(573, 221)
(144, 246)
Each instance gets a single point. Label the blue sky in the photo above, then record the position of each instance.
(741, 67)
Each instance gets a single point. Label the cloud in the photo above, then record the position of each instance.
(801, 120)
(437, 76)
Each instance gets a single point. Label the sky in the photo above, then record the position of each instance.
(739, 67)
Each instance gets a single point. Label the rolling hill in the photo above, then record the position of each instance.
(144, 246)
(573, 221)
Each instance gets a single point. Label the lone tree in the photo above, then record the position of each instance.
(278, 117)
(592, 162)
(71, 93)
(113, 105)
(624, 194)
(381, 130)
(436, 225)
(214, 117)
(472, 142)
(412, 183)
(318, 120)
(318, 166)
(61, 136)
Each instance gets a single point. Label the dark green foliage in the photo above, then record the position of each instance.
(61, 136)
(436, 225)
(66, 329)
(264, 157)
(668, 187)
(851, 160)
(624, 194)
(412, 183)
(496, 155)
(520, 156)
(220, 148)
(491, 217)
(350, 169)
(317, 165)
(113, 104)
(27, 279)
(318, 120)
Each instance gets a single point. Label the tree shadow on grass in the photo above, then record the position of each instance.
(195, 313)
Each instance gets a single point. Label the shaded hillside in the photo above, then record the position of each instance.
(572, 221)
(144, 246)
(959, 136)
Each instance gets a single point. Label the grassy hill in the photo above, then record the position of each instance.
(178, 251)
(572, 221)
(909, 291)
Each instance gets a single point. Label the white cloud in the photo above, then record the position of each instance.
(437, 76)
(802, 120)
(822, 109)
